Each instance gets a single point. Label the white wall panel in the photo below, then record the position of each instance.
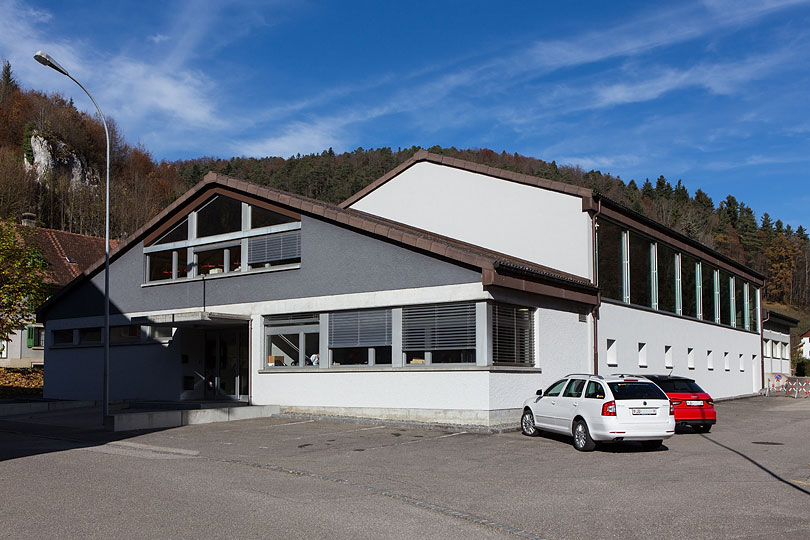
(630, 326)
(532, 223)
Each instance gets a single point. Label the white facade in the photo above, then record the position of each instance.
(651, 343)
(776, 351)
(539, 225)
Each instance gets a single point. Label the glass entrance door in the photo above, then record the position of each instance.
(226, 364)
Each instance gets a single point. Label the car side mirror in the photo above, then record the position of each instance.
(539, 393)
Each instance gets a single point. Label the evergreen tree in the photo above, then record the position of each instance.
(8, 85)
(767, 227)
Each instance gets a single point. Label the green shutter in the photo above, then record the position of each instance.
(30, 336)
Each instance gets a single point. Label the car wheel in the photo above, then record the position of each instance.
(703, 428)
(527, 424)
(651, 445)
(582, 437)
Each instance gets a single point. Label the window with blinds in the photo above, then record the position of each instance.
(367, 328)
(512, 335)
(439, 333)
(274, 248)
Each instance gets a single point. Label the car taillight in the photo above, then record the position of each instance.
(609, 409)
(677, 402)
(672, 408)
(710, 402)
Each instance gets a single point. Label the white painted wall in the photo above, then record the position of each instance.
(806, 347)
(776, 363)
(631, 326)
(531, 223)
(564, 343)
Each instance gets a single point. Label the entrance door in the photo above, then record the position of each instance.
(226, 364)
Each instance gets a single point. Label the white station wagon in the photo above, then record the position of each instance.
(593, 408)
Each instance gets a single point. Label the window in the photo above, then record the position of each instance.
(360, 337)
(666, 278)
(161, 332)
(742, 362)
(594, 390)
(3, 348)
(768, 347)
(785, 351)
(739, 303)
(125, 334)
(62, 337)
(725, 297)
(609, 245)
(642, 355)
(707, 292)
(217, 244)
(668, 356)
(556, 388)
(279, 248)
(160, 266)
(218, 260)
(726, 362)
(690, 358)
(753, 304)
(218, 216)
(709, 360)
(689, 286)
(89, 335)
(177, 234)
(612, 359)
(636, 390)
(259, 218)
(35, 337)
(512, 335)
(440, 333)
(640, 271)
(574, 388)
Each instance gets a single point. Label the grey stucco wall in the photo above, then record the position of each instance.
(334, 260)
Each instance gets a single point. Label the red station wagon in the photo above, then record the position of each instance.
(693, 407)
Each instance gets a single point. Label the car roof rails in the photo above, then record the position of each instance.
(584, 375)
(629, 375)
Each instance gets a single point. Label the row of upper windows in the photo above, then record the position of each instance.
(223, 236)
(636, 270)
(776, 349)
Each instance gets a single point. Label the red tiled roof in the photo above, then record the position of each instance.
(68, 254)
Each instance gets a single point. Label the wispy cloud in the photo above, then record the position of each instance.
(158, 38)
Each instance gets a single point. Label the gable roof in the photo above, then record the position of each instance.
(497, 269)
(592, 201)
(68, 254)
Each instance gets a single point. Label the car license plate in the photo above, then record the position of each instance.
(644, 411)
(694, 403)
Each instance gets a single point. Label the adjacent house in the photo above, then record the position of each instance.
(67, 255)
(445, 291)
(804, 344)
(776, 342)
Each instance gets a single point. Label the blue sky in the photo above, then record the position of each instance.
(714, 93)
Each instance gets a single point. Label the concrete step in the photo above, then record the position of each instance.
(30, 407)
(158, 419)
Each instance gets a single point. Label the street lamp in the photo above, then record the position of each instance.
(46, 60)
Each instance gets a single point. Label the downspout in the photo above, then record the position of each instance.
(595, 310)
(762, 346)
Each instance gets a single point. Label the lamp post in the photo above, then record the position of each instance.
(46, 60)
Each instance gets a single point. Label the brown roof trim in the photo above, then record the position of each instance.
(491, 278)
(439, 246)
(503, 174)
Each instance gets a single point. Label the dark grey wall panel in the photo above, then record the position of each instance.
(334, 261)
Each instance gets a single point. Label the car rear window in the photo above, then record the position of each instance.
(636, 390)
(680, 386)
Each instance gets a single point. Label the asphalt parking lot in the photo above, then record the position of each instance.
(302, 478)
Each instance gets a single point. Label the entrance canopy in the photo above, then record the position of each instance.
(195, 319)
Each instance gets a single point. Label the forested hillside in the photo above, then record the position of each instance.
(141, 187)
